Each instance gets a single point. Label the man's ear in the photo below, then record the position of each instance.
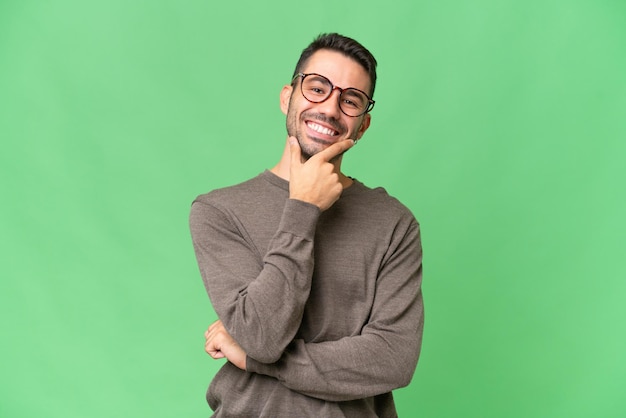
(364, 125)
(285, 96)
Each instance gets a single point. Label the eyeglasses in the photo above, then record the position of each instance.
(316, 88)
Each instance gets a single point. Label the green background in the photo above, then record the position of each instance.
(500, 124)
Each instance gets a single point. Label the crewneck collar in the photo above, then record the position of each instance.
(284, 184)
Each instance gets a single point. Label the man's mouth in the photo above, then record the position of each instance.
(320, 129)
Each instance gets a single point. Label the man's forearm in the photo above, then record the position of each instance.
(259, 300)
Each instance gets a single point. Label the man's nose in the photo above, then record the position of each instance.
(330, 106)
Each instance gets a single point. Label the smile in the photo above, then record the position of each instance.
(321, 129)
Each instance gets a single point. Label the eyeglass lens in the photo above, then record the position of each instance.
(317, 88)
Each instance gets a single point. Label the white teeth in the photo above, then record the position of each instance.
(321, 129)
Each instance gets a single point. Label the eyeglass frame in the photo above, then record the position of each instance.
(302, 76)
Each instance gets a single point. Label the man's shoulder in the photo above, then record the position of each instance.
(248, 190)
(228, 191)
(379, 200)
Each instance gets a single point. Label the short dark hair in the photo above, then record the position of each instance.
(347, 46)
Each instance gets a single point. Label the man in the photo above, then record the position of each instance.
(315, 278)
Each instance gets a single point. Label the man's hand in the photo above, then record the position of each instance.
(316, 180)
(220, 344)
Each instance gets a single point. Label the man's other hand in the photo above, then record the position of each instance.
(219, 344)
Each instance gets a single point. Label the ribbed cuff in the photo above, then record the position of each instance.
(299, 218)
(254, 366)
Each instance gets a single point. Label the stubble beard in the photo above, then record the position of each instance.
(308, 150)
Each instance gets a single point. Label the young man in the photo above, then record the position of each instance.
(315, 278)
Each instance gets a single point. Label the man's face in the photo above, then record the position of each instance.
(319, 125)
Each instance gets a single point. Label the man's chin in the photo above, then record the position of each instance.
(307, 151)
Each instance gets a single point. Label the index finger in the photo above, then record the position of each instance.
(334, 150)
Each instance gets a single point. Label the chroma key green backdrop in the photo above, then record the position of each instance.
(500, 124)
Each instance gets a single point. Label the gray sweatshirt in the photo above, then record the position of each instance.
(327, 305)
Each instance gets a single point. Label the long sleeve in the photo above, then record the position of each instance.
(385, 353)
(258, 293)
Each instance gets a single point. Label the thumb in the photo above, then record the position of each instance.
(296, 155)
